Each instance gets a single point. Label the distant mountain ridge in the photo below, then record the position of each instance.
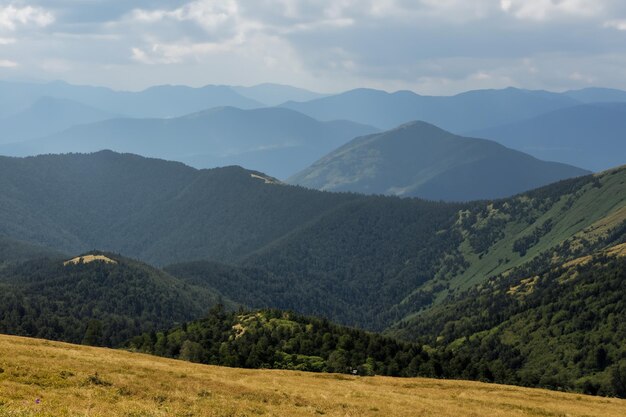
(420, 160)
(277, 141)
(47, 116)
(592, 136)
(159, 101)
(459, 113)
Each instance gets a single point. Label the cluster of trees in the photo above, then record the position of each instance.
(284, 340)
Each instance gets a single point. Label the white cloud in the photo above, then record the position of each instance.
(209, 14)
(7, 41)
(616, 24)
(175, 53)
(547, 9)
(5, 63)
(11, 17)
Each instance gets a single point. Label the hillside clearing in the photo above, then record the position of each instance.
(89, 259)
(42, 378)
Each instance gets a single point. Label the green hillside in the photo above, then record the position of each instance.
(366, 261)
(455, 278)
(420, 160)
(544, 324)
(102, 302)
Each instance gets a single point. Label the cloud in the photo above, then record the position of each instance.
(11, 17)
(5, 63)
(435, 46)
(616, 24)
(547, 9)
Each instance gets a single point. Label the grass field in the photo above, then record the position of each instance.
(42, 378)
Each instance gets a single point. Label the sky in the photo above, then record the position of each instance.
(428, 46)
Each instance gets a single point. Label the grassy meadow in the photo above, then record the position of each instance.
(50, 379)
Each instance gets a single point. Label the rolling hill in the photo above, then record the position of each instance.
(590, 136)
(47, 116)
(460, 113)
(75, 380)
(154, 210)
(96, 298)
(420, 160)
(277, 141)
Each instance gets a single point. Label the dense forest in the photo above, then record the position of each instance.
(366, 261)
(96, 303)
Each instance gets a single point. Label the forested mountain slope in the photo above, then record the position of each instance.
(420, 160)
(359, 260)
(154, 210)
(97, 298)
(552, 323)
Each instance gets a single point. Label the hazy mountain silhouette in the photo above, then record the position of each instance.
(275, 94)
(467, 111)
(419, 159)
(277, 141)
(591, 136)
(46, 116)
(159, 101)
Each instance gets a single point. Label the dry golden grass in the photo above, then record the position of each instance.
(89, 258)
(74, 380)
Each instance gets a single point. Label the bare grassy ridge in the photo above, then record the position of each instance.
(71, 380)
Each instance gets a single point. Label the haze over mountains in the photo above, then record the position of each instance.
(420, 160)
(579, 135)
(276, 141)
(459, 113)
(194, 126)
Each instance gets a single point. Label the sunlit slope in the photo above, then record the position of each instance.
(517, 230)
(41, 378)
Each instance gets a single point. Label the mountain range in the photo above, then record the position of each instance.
(581, 128)
(277, 141)
(460, 113)
(380, 263)
(590, 136)
(420, 160)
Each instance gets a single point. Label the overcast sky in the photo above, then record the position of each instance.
(429, 46)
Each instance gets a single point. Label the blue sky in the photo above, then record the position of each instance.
(429, 46)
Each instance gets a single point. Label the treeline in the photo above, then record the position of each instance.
(284, 340)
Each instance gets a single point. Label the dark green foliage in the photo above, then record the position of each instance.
(281, 340)
(560, 329)
(522, 244)
(96, 303)
(344, 266)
